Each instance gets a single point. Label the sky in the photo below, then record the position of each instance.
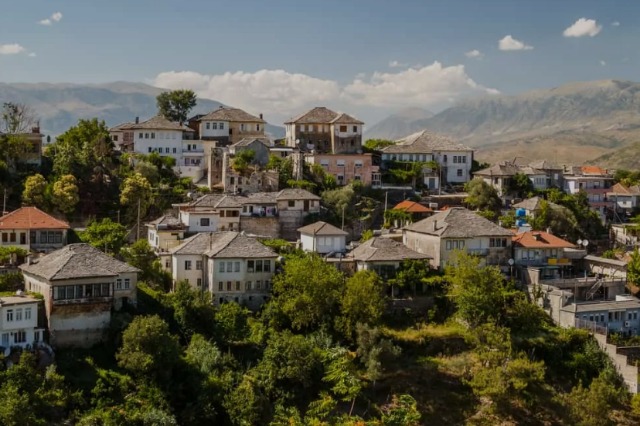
(365, 57)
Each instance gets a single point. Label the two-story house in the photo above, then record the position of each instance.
(595, 182)
(19, 323)
(383, 255)
(499, 176)
(441, 235)
(230, 265)
(33, 230)
(165, 232)
(210, 213)
(348, 168)
(80, 285)
(454, 160)
(625, 199)
(228, 125)
(325, 132)
(541, 250)
(324, 238)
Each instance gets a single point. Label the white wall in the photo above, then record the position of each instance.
(179, 272)
(323, 244)
(192, 220)
(171, 139)
(211, 132)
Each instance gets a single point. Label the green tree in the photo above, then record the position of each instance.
(482, 196)
(342, 374)
(521, 186)
(203, 354)
(242, 160)
(247, 404)
(105, 235)
(34, 193)
(148, 349)
(372, 145)
(367, 234)
(176, 104)
(401, 411)
(141, 255)
(16, 118)
(136, 193)
(592, 406)
(65, 194)
(363, 301)
(633, 267)
(232, 322)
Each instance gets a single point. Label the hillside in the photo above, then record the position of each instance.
(59, 106)
(572, 123)
(398, 125)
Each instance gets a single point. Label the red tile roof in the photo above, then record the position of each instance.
(540, 239)
(593, 170)
(31, 218)
(412, 207)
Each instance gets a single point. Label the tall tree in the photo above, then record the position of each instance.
(65, 194)
(482, 196)
(34, 193)
(362, 302)
(16, 118)
(175, 105)
(136, 193)
(105, 235)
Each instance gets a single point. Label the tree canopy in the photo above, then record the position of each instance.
(176, 104)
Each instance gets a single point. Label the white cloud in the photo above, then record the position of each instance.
(583, 27)
(10, 49)
(603, 63)
(615, 24)
(396, 64)
(475, 53)
(55, 17)
(510, 43)
(275, 91)
(32, 55)
(431, 85)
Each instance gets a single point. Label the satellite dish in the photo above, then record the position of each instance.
(297, 141)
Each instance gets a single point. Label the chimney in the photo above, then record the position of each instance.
(36, 129)
(260, 116)
(435, 225)
(137, 120)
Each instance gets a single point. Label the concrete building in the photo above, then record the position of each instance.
(32, 229)
(229, 265)
(347, 168)
(325, 132)
(625, 199)
(80, 285)
(453, 158)
(19, 323)
(595, 181)
(324, 238)
(165, 233)
(227, 125)
(457, 228)
(551, 255)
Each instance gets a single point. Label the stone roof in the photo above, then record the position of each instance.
(533, 204)
(539, 239)
(231, 114)
(529, 171)
(223, 244)
(545, 165)
(424, 142)
(166, 221)
(504, 168)
(378, 249)
(321, 228)
(458, 222)
(154, 123)
(77, 261)
(259, 198)
(412, 207)
(17, 300)
(322, 115)
(236, 201)
(296, 194)
(248, 141)
(216, 201)
(31, 218)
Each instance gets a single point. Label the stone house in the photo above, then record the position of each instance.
(325, 132)
(383, 255)
(227, 125)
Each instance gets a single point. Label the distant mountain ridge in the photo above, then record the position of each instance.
(576, 122)
(60, 105)
(399, 124)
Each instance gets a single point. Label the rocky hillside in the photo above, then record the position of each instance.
(59, 106)
(398, 125)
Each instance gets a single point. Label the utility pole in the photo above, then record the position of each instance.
(118, 215)
(4, 202)
(386, 196)
(343, 216)
(138, 222)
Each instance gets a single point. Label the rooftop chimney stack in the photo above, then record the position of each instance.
(137, 120)
(260, 116)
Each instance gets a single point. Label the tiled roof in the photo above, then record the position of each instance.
(593, 170)
(533, 204)
(458, 222)
(122, 126)
(231, 114)
(539, 239)
(77, 261)
(216, 201)
(167, 221)
(158, 123)
(236, 201)
(321, 228)
(529, 171)
(296, 194)
(31, 218)
(412, 207)
(383, 249)
(501, 169)
(544, 165)
(224, 244)
(424, 142)
(620, 189)
(259, 198)
(322, 115)
(249, 141)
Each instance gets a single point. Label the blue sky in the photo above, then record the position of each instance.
(281, 56)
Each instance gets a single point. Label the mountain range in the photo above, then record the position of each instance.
(577, 122)
(59, 106)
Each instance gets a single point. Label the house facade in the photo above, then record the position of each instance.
(499, 176)
(32, 141)
(229, 265)
(19, 323)
(80, 285)
(325, 132)
(457, 229)
(348, 168)
(454, 159)
(32, 229)
(625, 199)
(595, 181)
(228, 126)
(383, 255)
(165, 233)
(323, 238)
(543, 251)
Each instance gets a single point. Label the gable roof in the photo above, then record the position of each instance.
(544, 165)
(321, 228)
(156, 123)
(620, 189)
(424, 142)
(504, 168)
(224, 244)
(166, 222)
(296, 194)
(593, 170)
(216, 201)
(384, 249)
(539, 239)
(77, 261)
(249, 141)
(412, 207)
(230, 114)
(323, 115)
(534, 203)
(458, 222)
(31, 218)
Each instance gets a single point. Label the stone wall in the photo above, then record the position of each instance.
(265, 226)
(290, 221)
(628, 372)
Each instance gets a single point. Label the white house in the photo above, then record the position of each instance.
(165, 232)
(80, 285)
(19, 323)
(230, 265)
(33, 230)
(228, 125)
(383, 255)
(322, 237)
(454, 159)
(625, 199)
(457, 228)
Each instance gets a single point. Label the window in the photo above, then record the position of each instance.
(343, 129)
(340, 163)
(220, 286)
(199, 265)
(221, 126)
(166, 150)
(27, 314)
(175, 150)
(236, 267)
(258, 285)
(222, 267)
(267, 266)
(36, 336)
(237, 285)
(187, 265)
(127, 283)
(291, 203)
(146, 135)
(358, 163)
(19, 336)
(228, 285)
(115, 138)
(355, 129)
(199, 282)
(19, 314)
(140, 135)
(444, 157)
(497, 242)
(257, 127)
(149, 149)
(204, 221)
(5, 237)
(258, 265)
(12, 237)
(242, 127)
(247, 286)
(119, 284)
(250, 265)
(9, 315)
(229, 266)
(153, 135)
(208, 126)
(23, 238)
(455, 244)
